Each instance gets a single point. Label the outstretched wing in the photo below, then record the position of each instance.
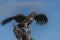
(18, 18)
(6, 20)
(41, 19)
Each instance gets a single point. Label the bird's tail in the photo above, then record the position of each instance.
(6, 20)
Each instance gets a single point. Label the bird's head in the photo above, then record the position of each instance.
(33, 14)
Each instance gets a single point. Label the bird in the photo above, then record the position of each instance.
(22, 19)
(26, 21)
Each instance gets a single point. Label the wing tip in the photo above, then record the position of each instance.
(41, 19)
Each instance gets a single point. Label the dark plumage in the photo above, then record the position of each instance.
(25, 21)
(18, 18)
(39, 18)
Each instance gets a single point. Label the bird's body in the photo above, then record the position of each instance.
(26, 23)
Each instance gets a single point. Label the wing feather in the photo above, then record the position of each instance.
(18, 18)
(6, 20)
(41, 19)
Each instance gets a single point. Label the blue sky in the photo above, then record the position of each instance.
(51, 31)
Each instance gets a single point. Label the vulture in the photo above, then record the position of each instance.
(25, 22)
(21, 34)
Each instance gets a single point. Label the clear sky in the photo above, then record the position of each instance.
(51, 8)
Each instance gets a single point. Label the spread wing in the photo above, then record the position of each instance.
(41, 19)
(18, 18)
